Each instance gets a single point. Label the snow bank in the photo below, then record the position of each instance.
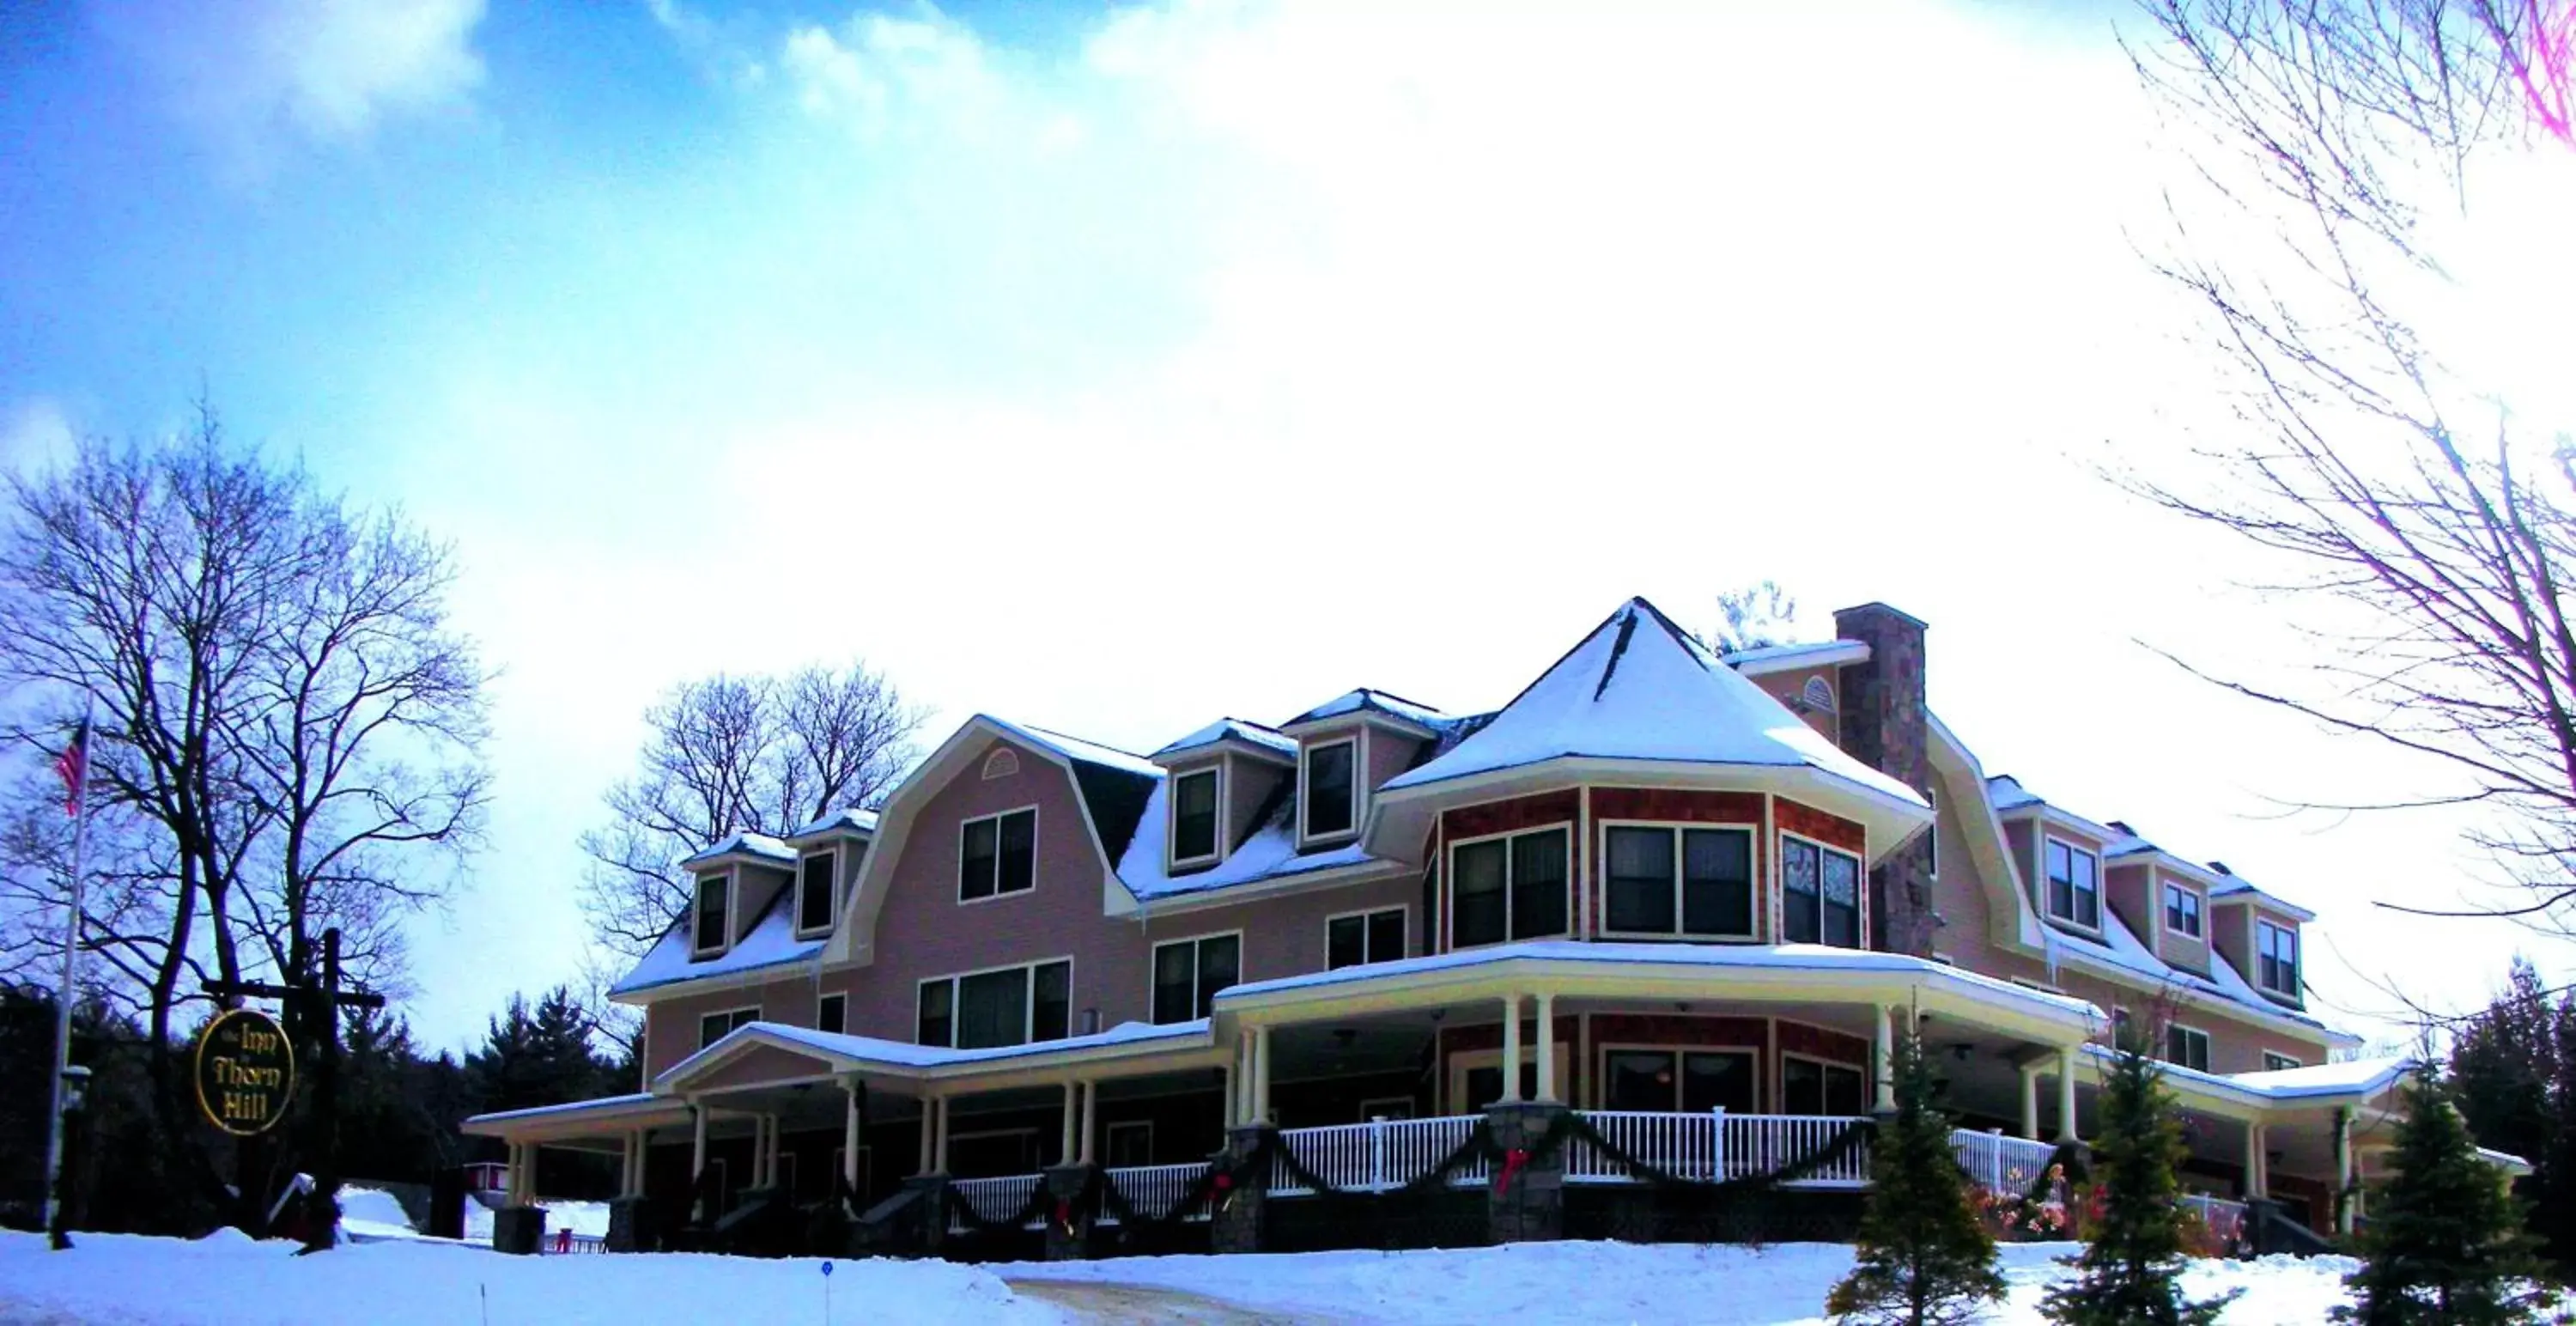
(589, 1219)
(229, 1280)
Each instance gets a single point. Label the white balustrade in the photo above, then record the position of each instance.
(1377, 1156)
(2225, 1219)
(2005, 1166)
(1153, 1190)
(1717, 1146)
(993, 1199)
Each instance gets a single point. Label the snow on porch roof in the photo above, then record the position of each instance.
(1639, 688)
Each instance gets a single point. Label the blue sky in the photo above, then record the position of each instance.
(1115, 369)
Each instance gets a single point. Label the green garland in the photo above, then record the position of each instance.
(1038, 1207)
(1478, 1146)
(1840, 1145)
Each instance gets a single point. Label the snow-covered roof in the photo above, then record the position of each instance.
(905, 1054)
(2368, 1076)
(1076, 748)
(1639, 688)
(596, 1105)
(2121, 947)
(2235, 887)
(1365, 700)
(1268, 738)
(772, 942)
(744, 844)
(847, 819)
(1764, 659)
(2007, 793)
(1268, 853)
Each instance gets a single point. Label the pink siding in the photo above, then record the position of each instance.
(671, 1027)
(2126, 890)
(1248, 784)
(1388, 755)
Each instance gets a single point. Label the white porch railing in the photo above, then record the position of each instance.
(993, 1199)
(1153, 1190)
(1376, 1156)
(1717, 1146)
(2225, 1219)
(2005, 1166)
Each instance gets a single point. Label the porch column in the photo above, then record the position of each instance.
(1261, 1075)
(1547, 1048)
(1090, 1100)
(2029, 1101)
(929, 1125)
(1512, 1050)
(2345, 1197)
(2066, 1094)
(1228, 1083)
(1242, 1096)
(2254, 1185)
(1066, 1144)
(856, 1093)
(1882, 1058)
(697, 1142)
(626, 1169)
(941, 1155)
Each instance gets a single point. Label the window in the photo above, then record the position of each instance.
(1693, 1080)
(1508, 888)
(1812, 1086)
(1932, 838)
(1194, 816)
(814, 891)
(2274, 1063)
(2074, 885)
(1485, 1085)
(714, 893)
(1667, 881)
(832, 1013)
(716, 1026)
(2182, 910)
(1131, 1142)
(1364, 937)
(2276, 949)
(1329, 785)
(1818, 694)
(1188, 973)
(997, 854)
(1002, 763)
(2187, 1046)
(1009, 1006)
(1820, 894)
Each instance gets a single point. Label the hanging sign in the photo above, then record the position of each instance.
(245, 1072)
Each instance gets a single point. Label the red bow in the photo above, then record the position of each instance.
(1064, 1214)
(1512, 1162)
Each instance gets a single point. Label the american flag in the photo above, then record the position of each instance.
(73, 766)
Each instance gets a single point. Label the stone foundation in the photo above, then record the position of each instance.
(1069, 1218)
(1236, 1224)
(1530, 1207)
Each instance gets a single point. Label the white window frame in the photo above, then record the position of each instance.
(1780, 1085)
(2199, 914)
(2276, 1062)
(1405, 915)
(1860, 891)
(1172, 857)
(1449, 882)
(844, 998)
(2298, 959)
(1753, 879)
(1373, 1108)
(1109, 1131)
(1601, 1064)
(2048, 840)
(734, 1021)
(832, 885)
(1932, 837)
(2207, 1047)
(697, 891)
(1028, 1002)
(1036, 824)
(1154, 963)
(1466, 1061)
(1358, 742)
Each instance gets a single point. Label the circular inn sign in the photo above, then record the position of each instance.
(245, 1072)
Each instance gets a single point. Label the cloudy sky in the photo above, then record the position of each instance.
(1113, 369)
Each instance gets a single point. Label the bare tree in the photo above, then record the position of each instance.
(729, 755)
(2426, 539)
(1754, 616)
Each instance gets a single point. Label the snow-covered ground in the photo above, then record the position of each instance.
(231, 1280)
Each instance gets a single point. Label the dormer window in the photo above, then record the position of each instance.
(2276, 950)
(2182, 910)
(814, 891)
(713, 903)
(1194, 817)
(2074, 885)
(1331, 784)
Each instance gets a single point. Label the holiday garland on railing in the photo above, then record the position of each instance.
(1479, 1145)
(1844, 1141)
(1036, 1208)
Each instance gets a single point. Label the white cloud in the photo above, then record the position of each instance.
(246, 72)
(882, 74)
(34, 434)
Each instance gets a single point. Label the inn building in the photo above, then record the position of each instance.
(1689, 899)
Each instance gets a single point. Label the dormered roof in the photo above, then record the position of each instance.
(1367, 701)
(1233, 729)
(744, 844)
(2120, 841)
(849, 819)
(1113, 782)
(1640, 688)
(770, 942)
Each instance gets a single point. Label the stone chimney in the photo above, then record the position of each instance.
(1883, 725)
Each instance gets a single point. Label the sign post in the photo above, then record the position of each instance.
(315, 1010)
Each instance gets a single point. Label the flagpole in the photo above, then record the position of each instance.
(71, 967)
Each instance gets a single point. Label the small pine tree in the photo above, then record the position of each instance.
(2445, 1242)
(1924, 1259)
(2132, 1265)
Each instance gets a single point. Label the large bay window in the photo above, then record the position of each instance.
(2074, 885)
(1194, 800)
(1676, 880)
(1819, 894)
(715, 894)
(997, 854)
(814, 890)
(1189, 972)
(1008, 1006)
(1508, 888)
(1694, 1081)
(1813, 1086)
(1331, 788)
(2276, 950)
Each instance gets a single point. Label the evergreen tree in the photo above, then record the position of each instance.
(2132, 1264)
(536, 1058)
(2445, 1244)
(2513, 1078)
(1923, 1257)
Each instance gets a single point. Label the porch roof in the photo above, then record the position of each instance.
(580, 1118)
(836, 1053)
